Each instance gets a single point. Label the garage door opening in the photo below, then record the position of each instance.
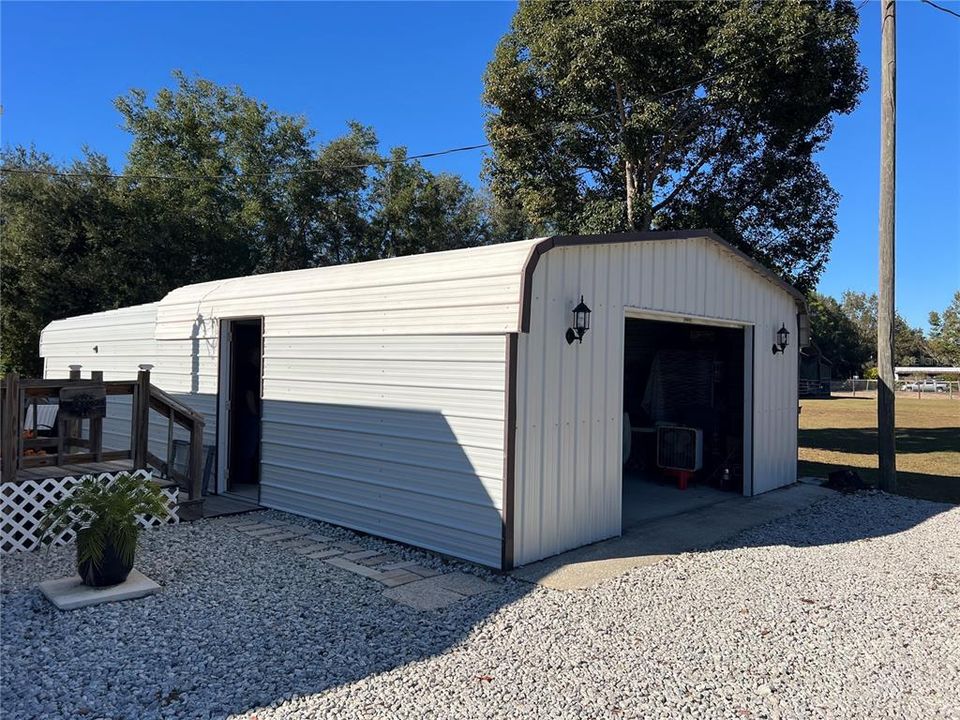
(684, 410)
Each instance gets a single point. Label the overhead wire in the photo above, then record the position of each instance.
(941, 8)
(379, 161)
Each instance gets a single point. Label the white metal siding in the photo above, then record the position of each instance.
(384, 383)
(462, 292)
(569, 397)
(398, 436)
(125, 339)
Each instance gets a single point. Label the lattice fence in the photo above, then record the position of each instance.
(22, 505)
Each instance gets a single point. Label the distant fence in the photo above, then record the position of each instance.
(868, 388)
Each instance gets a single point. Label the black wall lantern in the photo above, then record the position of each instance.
(782, 336)
(581, 322)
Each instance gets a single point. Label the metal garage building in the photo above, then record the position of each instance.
(436, 400)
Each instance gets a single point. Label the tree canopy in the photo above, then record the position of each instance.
(611, 116)
(945, 333)
(845, 332)
(216, 184)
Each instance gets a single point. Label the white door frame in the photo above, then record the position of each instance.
(224, 382)
(748, 375)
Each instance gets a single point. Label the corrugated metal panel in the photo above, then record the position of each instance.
(125, 339)
(471, 291)
(401, 437)
(568, 486)
(384, 382)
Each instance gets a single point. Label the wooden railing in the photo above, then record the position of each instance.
(19, 398)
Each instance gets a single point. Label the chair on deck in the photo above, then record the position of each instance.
(180, 462)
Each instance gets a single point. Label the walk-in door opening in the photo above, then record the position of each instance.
(241, 373)
(683, 417)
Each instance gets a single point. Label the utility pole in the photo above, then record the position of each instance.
(886, 417)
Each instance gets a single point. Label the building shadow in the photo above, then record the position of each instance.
(864, 440)
(242, 623)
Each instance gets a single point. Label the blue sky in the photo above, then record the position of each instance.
(414, 71)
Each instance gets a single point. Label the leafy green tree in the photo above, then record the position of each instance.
(416, 211)
(861, 309)
(910, 345)
(245, 204)
(59, 239)
(216, 185)
(608, 116)
(837, 337)
(945, 333)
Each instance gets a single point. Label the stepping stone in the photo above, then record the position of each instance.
(342, 562)
(311, 548)
(423, 571)
(269, 530)
(263, 533)
(280, 537)
(375, 561)
(317, 537)
(256, 526)
(411, 566)
(463, 583)
(399, 565)
(324, 554)
(349, 547)
(362, 555)
(292, 530)
(395, 578)
(300, 543)
(422, 595)
(239, 520)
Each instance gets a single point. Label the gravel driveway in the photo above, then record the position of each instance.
(850, 609)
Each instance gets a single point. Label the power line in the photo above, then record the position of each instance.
(941, 8)
(225, 176)
(387, 161)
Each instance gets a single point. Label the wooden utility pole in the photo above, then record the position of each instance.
(886, 417)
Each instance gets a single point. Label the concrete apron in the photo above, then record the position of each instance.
(650, 542)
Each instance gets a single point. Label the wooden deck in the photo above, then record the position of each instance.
(43, 472)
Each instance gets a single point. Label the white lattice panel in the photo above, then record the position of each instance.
(22, 505)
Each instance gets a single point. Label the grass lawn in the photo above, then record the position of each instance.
(842, 432)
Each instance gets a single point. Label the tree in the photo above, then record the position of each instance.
(945, 333)
(216, 185)
(861, 309)
(910, 344)
(416, 211)
(59, 246)
(611, 116)
(258, 198)
(837, 337)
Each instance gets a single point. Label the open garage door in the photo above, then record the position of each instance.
(687, 416)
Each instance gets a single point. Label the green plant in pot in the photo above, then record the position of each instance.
(103, 515)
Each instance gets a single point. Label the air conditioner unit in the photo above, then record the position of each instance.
(679, 448)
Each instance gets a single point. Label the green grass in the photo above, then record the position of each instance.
(842, 432)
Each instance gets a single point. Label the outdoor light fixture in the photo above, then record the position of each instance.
(581, 323)
(782, 336)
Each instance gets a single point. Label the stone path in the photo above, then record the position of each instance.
(407, 582)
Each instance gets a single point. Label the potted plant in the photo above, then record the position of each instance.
(103, 514)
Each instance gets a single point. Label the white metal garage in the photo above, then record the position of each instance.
(433, 399)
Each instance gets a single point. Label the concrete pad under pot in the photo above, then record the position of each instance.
(103, 513)
(70, 593)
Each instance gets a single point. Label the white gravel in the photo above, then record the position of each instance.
(850, 609)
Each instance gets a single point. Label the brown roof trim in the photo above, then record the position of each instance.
(549, 243)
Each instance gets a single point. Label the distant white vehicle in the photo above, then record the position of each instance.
(925, 386)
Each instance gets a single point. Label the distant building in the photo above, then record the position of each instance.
(815, 374)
